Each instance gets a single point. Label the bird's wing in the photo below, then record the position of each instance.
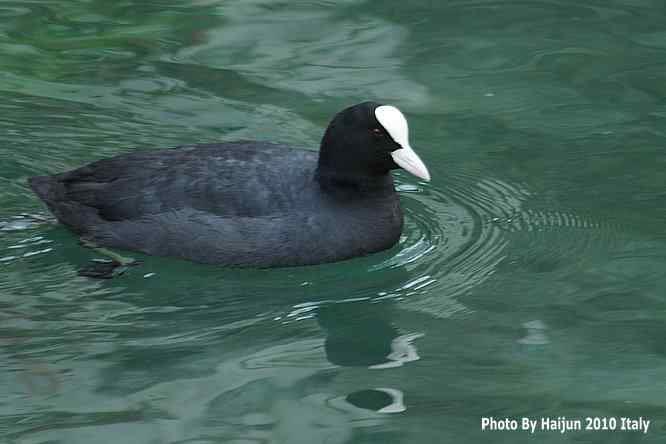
(230, 179)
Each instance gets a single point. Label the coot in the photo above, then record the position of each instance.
(247, 203)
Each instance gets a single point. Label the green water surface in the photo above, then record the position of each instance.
(530, 280)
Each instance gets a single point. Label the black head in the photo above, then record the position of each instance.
(363, 143)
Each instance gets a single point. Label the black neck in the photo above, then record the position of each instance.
(354, 183)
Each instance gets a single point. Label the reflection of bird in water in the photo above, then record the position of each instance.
(402, 351)
(360, 334)
(381, 400)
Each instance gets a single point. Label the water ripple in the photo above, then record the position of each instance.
(457, 237)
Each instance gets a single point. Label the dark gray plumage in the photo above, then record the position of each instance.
(241, 203)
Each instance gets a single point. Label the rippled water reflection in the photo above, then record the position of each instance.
(529, 280)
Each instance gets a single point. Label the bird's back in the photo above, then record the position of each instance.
(227, 179)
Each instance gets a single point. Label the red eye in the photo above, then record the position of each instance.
(377, 132)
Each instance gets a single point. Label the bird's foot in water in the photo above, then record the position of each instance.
(115, 265)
